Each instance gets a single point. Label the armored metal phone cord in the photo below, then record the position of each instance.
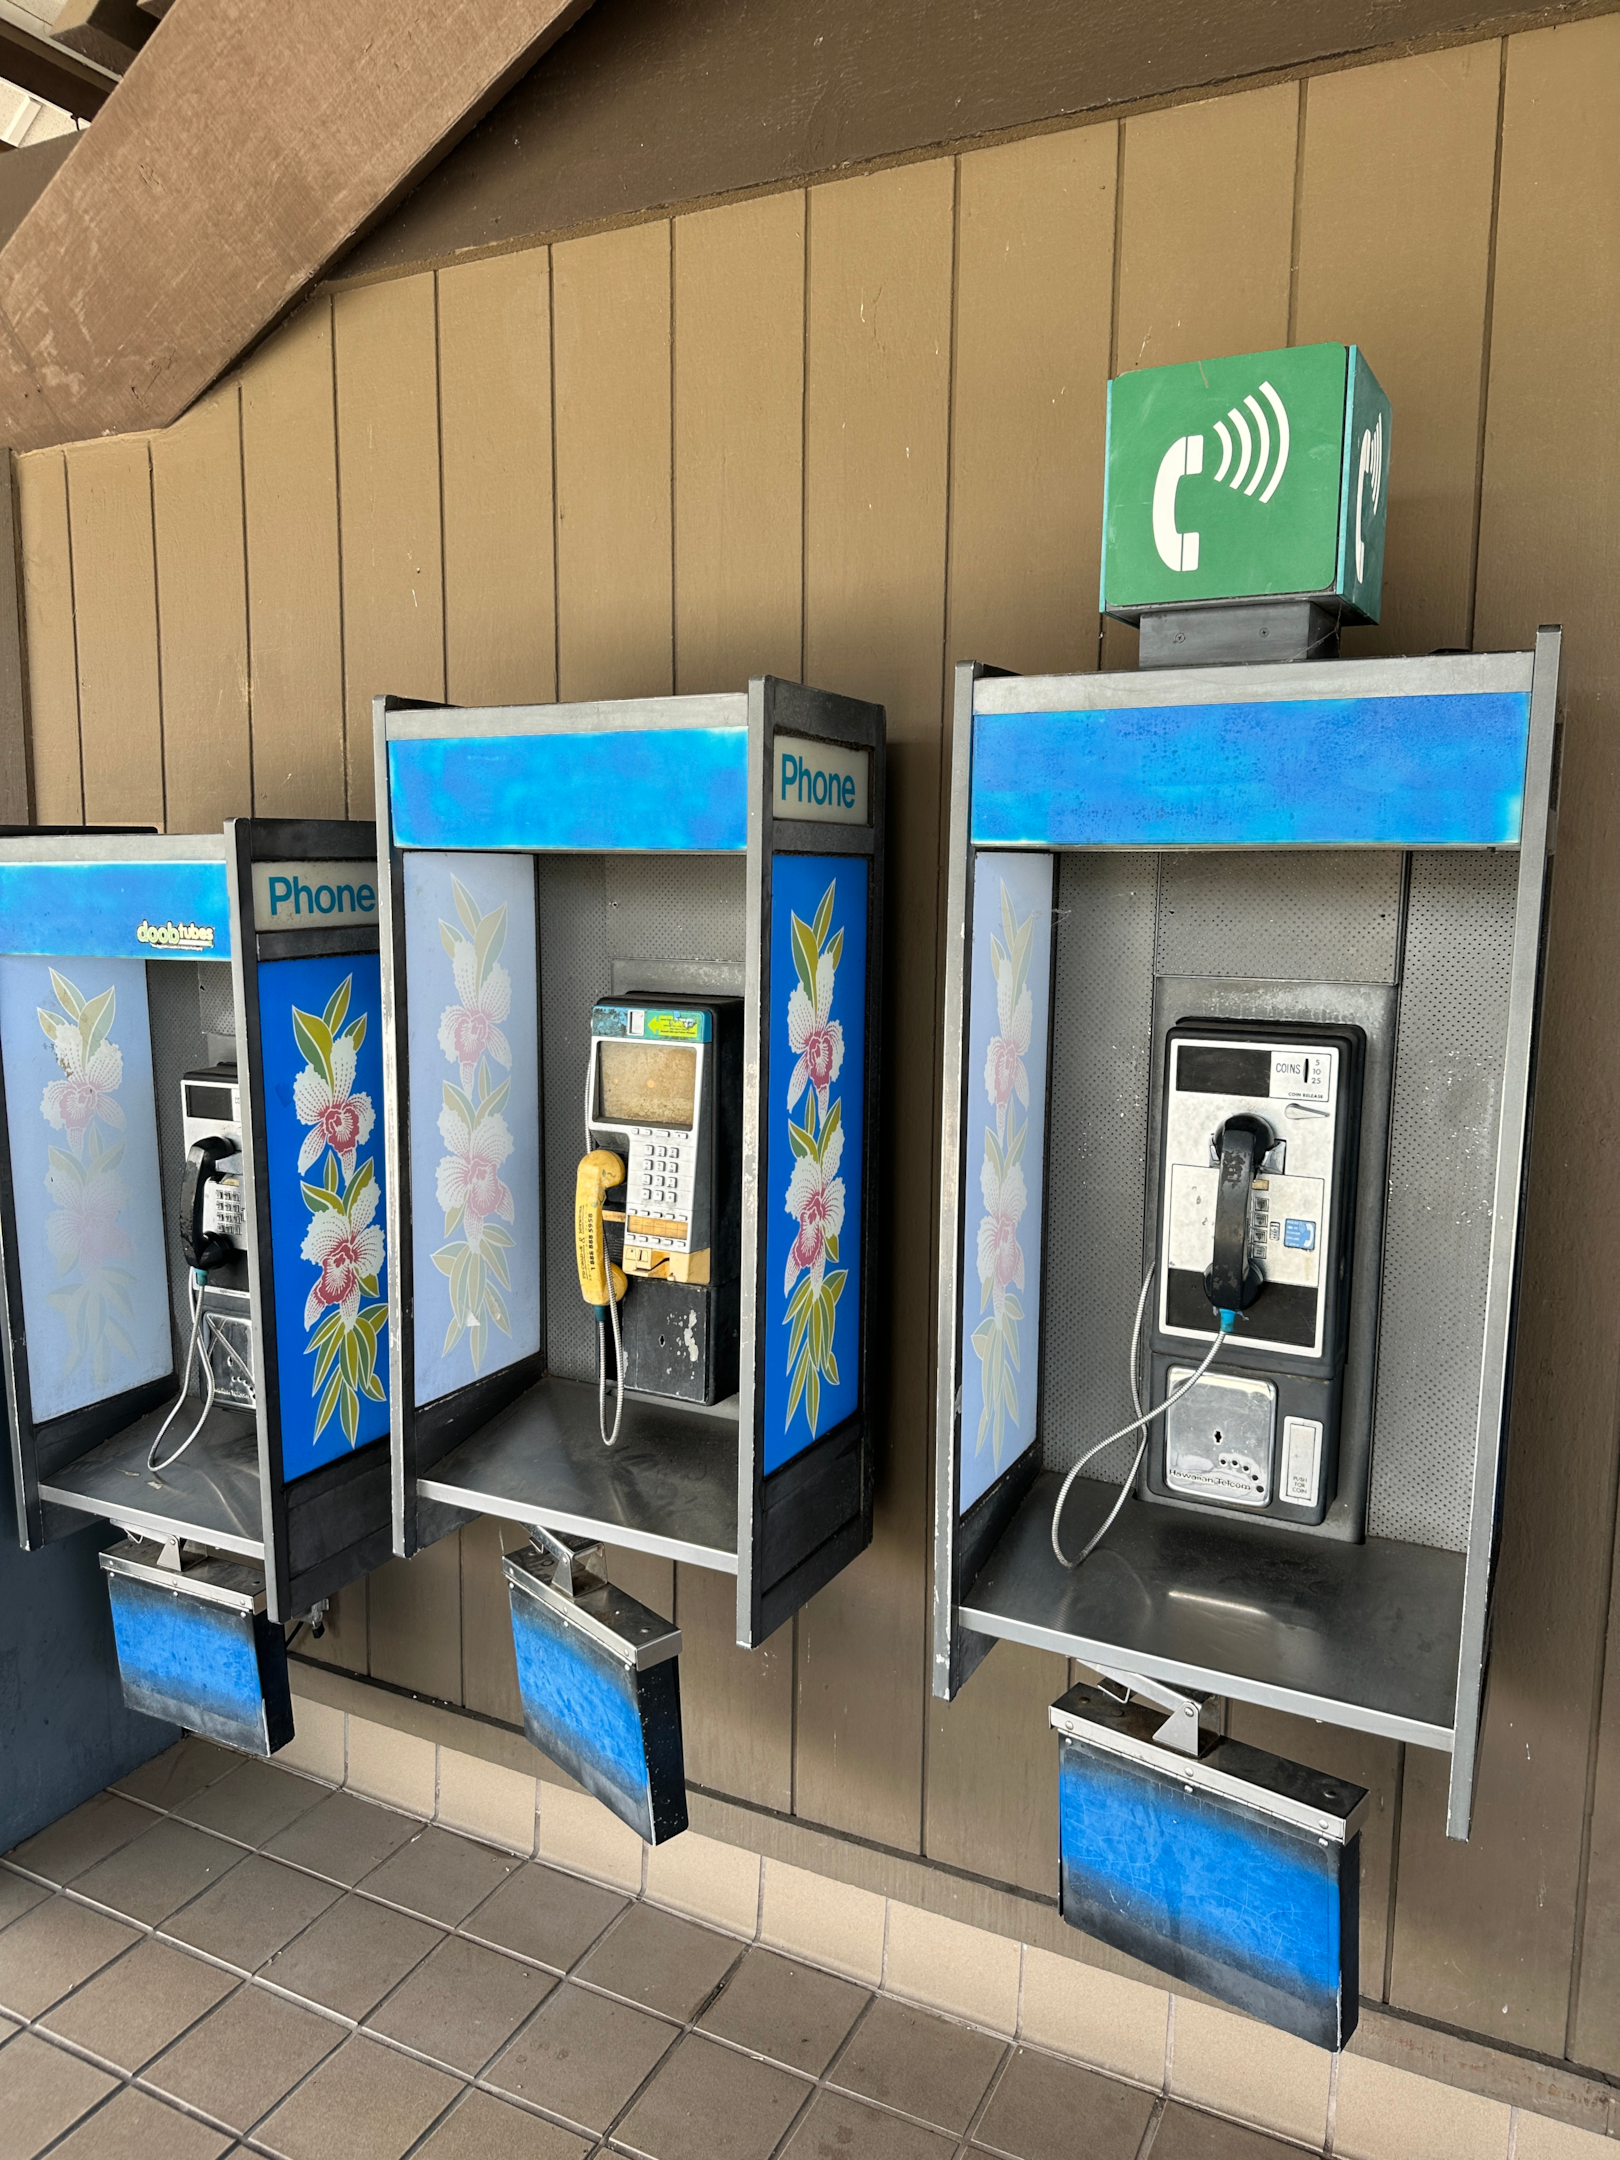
(608, 1438)
(1140, 1423)
(198, 1278)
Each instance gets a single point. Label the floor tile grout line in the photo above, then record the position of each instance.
(134, 2080)
(687, 2027)
(97, 2107)
(358, 2026)
(992, 2087)
(1150, 2129)
(44, 2031)
(350, 2027)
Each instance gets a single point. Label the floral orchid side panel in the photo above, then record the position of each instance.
(814, 1118)
(1004, 1156)
(319, 1023)
(476, 1200)
(471, 979)
(85, 1179)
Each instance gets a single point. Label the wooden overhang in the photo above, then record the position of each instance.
(247, 146)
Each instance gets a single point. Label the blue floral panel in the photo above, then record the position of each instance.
(76, 1038)
(471, 975)
(320, 1037)
(1004, 1159)
(813, 1120)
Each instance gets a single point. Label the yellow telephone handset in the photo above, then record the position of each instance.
(598, 1173)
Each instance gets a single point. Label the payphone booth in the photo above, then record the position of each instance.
(194, 1278)
(1241, 991)
(631, 984)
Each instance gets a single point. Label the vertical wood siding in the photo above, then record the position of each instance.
(856, 430)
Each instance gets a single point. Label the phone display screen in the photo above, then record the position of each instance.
(642, 1083)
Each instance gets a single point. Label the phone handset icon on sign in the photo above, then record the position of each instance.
(1177, 550)
(1184, 459)
(1371, 468)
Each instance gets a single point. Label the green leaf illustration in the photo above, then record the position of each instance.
(95, 1022)
(314, 1039)
(823, 921)
(804, 958)
(487, 944)
(328, 1403)
(336, 1006)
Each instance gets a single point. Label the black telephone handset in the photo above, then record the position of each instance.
(1232, 1282)
(202, 1250)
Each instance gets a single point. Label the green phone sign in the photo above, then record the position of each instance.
(1266, 474)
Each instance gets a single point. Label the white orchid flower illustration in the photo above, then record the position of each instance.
(816, 1040)
(85, 1091)
(469, 1175)
(1001, 1257)
(83, 1231)
(1005, 1074)
(338, 1117)
(468, 1030)
(815, 1200)
(348, 1249)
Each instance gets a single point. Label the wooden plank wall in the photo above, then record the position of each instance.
(856, 431)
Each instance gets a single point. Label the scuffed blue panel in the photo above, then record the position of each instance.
(616, 1730)
(209, 1667)
(1425, 771)
(644, 790)
(116, 910)
(1250, 1910)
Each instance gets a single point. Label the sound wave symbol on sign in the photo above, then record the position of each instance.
(1245, 444)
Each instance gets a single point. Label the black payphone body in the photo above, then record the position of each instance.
(1259, 1136)
(664, 1091)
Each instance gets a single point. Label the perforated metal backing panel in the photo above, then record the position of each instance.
(1442, 1173)
(187, 999)
(595, 909)
(675, 907)
(1102, 1035)
(1283, 916)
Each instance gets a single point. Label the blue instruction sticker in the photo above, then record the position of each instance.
(1300, 1235)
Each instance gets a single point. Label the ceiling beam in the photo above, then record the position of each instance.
(248, 145)
(49, 71)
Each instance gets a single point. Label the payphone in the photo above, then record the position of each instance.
(192, 1285)
(663, 1119)
(213, 1241)
(667, 913)
(1256, 1209)
(1241, 994)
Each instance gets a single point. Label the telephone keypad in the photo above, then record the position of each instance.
(659, 1179)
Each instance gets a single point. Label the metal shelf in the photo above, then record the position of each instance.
(211, 1495)
(669, 1485)
(1362, 1635)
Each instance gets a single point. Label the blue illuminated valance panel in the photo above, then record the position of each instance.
(643, 791)
(1422, 771)
(116, 910)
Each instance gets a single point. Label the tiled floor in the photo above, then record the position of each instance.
(222, 1956)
